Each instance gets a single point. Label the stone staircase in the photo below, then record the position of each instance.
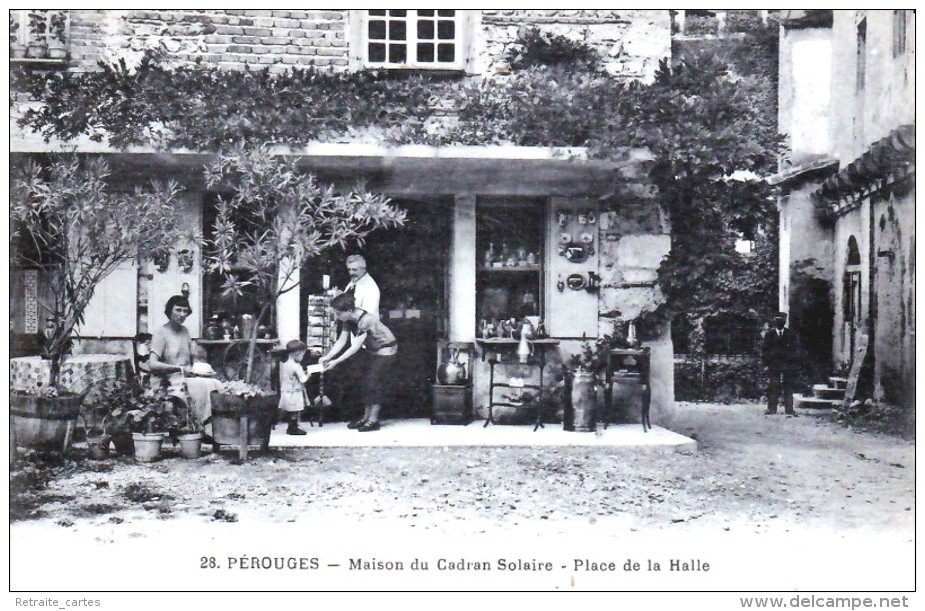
(825, 396)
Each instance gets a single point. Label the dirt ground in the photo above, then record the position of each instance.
(751, 474)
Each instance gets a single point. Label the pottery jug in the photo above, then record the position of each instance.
(452, 372)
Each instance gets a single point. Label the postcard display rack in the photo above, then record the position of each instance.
(319, 335)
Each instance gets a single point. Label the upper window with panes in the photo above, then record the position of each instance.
(413, 39)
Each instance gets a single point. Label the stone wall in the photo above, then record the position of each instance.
(631, 41)
(894, 373)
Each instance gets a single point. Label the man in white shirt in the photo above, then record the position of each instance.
(365, 290)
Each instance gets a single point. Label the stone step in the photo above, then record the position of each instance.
(815, 402)
(836, 382)
(822, 391)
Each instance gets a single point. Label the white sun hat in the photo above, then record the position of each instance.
(202, 369)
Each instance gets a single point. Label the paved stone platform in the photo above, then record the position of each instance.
(421, 433)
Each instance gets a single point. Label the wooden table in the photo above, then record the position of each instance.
(629, 366)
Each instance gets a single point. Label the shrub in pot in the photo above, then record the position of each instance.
(114, 402)
(66, 222)
(188, 434)
(235, 399)
(152, 420)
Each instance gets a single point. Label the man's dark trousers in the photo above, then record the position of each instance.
(781, 380)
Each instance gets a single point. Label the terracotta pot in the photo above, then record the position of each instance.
(190, 445)
(147, 447)
(37, 50)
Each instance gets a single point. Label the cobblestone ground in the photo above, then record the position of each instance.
(753, 476)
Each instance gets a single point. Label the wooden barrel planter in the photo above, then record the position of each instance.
(45, 423)
(228, 412)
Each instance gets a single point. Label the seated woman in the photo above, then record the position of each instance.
(364, 330)
(171, 345)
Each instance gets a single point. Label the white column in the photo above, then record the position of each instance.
(462, 270)
(287, 305)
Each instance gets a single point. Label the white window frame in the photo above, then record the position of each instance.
(462, 41)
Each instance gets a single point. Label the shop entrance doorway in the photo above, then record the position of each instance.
(410, 265)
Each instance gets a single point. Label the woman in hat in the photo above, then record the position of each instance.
(292, 379)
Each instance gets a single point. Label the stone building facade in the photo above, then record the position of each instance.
(470, 184)
(847, 212)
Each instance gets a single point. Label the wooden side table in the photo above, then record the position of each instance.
(628, 366)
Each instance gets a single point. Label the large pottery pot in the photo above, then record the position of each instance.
(98, 446)
(190, 445)
(226, 419)
(147, 446)
(44, 422)
(583, 401)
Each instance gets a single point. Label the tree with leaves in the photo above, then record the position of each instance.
(713, 135)
(69, 224)
(272, 218)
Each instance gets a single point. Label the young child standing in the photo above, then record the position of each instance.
(292, 378)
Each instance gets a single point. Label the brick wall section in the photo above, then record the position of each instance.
(232, 39)
(631, 41)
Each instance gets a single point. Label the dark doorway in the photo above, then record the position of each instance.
(410, 265)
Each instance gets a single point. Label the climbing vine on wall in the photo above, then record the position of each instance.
(710, 131)
(201, 107)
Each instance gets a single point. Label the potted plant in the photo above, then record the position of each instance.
(38, 34)
(153, 419)
(107, 410)
(57, 35)
(95, 413)
(237, 399)
(42, 418)
(189, 433)
(69, 225)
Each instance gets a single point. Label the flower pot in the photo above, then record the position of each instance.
(98, 445)
(583, 402)
(190, 445)
(57, 53)
(37, 50)
(123, 444)
(44, 422)
(147, 446)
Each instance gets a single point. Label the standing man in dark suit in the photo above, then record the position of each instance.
(778, 352)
